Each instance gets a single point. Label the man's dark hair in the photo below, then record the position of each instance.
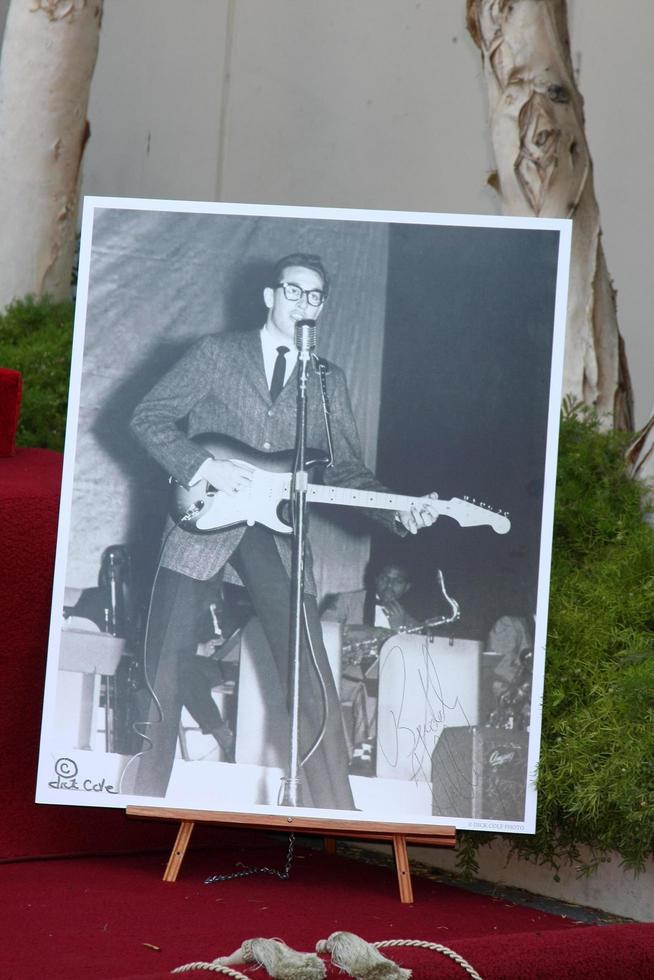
(306, 261)
(376, 566)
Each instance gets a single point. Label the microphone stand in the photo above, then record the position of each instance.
(291, 789)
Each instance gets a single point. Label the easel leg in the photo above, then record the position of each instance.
(330, 830)
(179, 850)
(403, 869)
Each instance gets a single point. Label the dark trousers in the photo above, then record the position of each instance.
(197, 679)
(177, 606)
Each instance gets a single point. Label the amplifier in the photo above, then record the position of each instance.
(480, 772)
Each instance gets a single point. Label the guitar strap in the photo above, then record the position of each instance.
(322, 369)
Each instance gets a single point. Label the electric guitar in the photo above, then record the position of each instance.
(201, 508)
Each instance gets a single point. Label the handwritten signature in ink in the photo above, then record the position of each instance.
(66, 773)
(410, 744)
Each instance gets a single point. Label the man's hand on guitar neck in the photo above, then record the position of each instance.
(420, 515)
(227, 475)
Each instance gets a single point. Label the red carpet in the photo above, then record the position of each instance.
(29, 505)
(81, 918)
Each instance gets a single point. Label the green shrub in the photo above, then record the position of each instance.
(596, 773)
(35, 339)
(596, 779)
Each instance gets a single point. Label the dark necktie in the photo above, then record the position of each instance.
(279, 371)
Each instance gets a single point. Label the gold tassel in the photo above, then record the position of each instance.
(358, 958)
(281, 962)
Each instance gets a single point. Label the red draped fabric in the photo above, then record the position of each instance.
(11, 388)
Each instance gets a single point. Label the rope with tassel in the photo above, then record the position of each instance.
(348, 952)
(363, 961)
(281, 962)
(437, 947)
(217, 968)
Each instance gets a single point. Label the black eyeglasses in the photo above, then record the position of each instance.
(293, 293)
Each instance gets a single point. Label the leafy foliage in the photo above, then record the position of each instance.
(596, 774)
(35, 339)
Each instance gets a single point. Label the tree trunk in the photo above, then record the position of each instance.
(544, 169)
(48, 56)
(640, 461)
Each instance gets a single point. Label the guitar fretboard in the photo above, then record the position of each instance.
(359, 498)
(465, 512)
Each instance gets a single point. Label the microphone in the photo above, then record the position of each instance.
(305, 335)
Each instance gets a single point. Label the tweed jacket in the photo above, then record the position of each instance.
(220, 386)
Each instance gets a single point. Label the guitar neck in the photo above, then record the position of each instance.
(465, 512)
(360, 498)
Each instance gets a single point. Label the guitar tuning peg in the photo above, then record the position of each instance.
(466, 497)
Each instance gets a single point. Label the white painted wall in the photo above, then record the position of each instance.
(613, 47)
(156, 100)
(611, 888)
(373, 103)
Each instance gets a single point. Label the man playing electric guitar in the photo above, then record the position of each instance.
(242, 385)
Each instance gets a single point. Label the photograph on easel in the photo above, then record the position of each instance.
(305, 529)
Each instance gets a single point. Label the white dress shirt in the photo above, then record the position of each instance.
(381, 616)
(271, 339)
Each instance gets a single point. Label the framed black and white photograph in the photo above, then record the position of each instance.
(305, 529)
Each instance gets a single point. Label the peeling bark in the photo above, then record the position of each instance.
(640, 460)
(59, 9)
(544, 169)
(48, 57)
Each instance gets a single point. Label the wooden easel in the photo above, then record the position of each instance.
(399, 834)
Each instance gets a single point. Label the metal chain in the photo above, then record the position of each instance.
(422, 944)
(247, 872)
